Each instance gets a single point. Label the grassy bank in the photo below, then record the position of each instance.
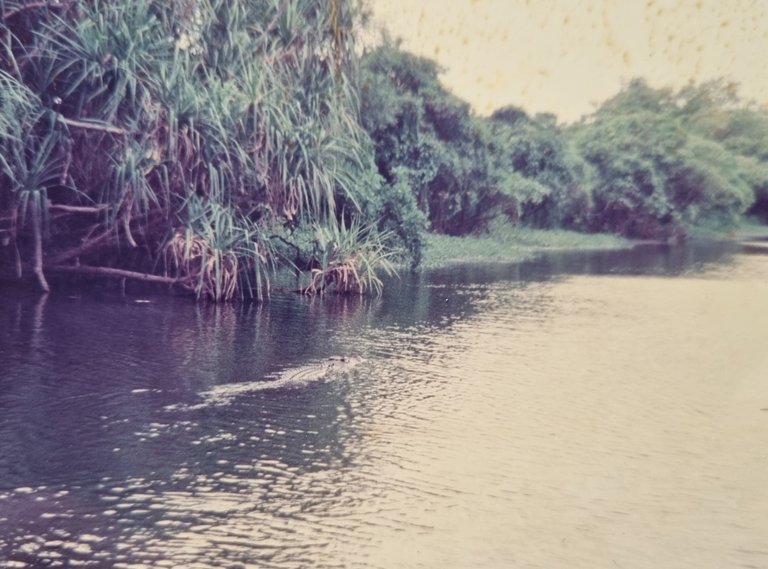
(506, 243)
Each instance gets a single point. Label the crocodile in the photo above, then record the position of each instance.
(292, 378)
(300, 376)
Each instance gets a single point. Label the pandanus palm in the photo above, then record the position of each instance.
(170, 117)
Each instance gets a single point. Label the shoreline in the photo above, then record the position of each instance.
(511, 244)
(503, 244)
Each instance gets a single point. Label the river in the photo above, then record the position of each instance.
(583, 410)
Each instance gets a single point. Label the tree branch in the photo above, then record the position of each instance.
(114, 273)
(77, 208)
(92, 125)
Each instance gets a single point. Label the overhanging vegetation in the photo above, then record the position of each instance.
(203, 143)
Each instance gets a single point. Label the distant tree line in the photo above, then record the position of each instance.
(649, 163)
(202, 143)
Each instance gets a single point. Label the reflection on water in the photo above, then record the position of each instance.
(581, 410)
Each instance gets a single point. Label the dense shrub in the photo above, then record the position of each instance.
(198, 125)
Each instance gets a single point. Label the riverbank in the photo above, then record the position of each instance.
(503, 243)
(506, 243)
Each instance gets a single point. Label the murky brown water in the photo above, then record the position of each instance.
(590, 410)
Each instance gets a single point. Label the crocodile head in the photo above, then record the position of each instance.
(343, 361)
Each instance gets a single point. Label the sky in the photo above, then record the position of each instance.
(567, 56)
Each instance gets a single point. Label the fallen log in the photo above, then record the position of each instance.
(113, 273)
(77, 208)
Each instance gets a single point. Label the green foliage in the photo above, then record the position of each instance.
(715, 184)
(650, 163)
(208, 121)
(464, 171)
(20, 109)
(209, 135)
(426, 137)
(220, 254)
(537, 170)
(29, 161)
(634, 156)
(659, 165)
(713, 111)
(346, 259)
(398, 214)
(507, 243)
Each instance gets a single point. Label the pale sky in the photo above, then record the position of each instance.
(564, 57)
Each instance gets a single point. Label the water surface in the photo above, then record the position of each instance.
(582, 410)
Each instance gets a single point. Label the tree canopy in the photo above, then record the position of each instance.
(649, 163)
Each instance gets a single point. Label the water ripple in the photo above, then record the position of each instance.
(563, 414)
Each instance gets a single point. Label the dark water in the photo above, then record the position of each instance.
(583, 410)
